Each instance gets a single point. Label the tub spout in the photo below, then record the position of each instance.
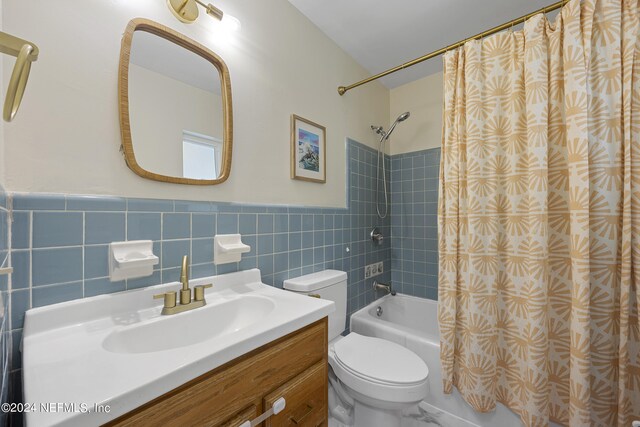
(381, 286)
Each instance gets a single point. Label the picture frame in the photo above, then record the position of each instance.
(308, 150)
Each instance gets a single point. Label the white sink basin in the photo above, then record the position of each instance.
(188, 328)
(119, 351)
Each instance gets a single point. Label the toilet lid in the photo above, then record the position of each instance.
(380, 360)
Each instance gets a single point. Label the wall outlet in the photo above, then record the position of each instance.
(373, 270)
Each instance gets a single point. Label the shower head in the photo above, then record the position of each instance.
(404, 116)
(383, 137)
(401, 118)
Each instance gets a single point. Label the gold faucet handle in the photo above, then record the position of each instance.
(199, 291)
(169, 298)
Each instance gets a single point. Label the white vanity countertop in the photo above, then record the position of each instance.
(69, 365)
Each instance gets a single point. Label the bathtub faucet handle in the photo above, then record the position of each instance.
(376, 236)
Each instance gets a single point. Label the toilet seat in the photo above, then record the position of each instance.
(379, 369)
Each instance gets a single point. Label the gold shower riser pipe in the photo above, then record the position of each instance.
(344, 89)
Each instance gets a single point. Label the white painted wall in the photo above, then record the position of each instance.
(161, 108)
(67, 135)
(423, 130)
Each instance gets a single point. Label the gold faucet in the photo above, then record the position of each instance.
(186, 303)
(185, 292)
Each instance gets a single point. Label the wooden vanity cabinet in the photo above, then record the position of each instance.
(293, 367)
(306, 397)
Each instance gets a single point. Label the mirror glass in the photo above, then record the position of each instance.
(176, 104)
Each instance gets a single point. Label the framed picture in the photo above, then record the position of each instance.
(308, 150)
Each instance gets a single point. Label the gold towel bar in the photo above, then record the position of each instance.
(25, 53)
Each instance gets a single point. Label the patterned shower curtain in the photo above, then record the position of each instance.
(539, 218)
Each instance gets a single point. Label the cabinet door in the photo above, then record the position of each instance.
(306, 399)
(249, 414)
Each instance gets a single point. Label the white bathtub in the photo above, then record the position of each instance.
(413, 323)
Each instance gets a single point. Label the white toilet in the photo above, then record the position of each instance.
(372, 380)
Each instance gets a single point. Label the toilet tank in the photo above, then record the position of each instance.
(330, 285)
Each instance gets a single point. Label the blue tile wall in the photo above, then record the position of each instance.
(414, 222)
(5, 244)
(55, 229)
(6, 338)
(61, 241)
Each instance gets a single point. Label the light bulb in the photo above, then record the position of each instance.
(231, 22)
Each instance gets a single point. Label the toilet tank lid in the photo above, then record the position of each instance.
(315, 281)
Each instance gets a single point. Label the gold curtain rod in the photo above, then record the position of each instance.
(343, 89)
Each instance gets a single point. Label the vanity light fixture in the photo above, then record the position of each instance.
(187, 10)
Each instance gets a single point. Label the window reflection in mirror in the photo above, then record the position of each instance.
(201, 156)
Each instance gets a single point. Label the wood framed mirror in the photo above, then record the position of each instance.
(176, 117)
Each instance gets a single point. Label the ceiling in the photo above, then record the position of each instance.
(381, 34)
